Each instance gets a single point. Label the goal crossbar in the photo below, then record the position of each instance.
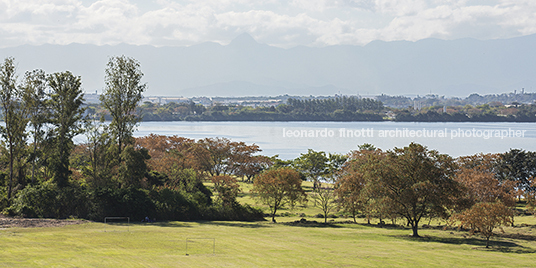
(117, 218)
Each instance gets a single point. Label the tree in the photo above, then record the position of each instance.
(349, 192)
(484, 217)
(34, 85)
(518, 166)
(482, 186)
(101, 152)
(324, 199)
(417, 181)
(227, 188)
(314, 165)
(133, 167)
(67, 120)
(530, 196)
(14, 115)
(218, 160)
(122, 94)
(278, 187)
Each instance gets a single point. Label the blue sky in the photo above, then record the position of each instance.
(282, 23)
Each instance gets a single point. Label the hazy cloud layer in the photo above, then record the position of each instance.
(284, 23)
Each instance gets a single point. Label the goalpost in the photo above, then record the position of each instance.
(195, 247)
(111, 220)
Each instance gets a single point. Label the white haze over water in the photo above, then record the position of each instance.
(458, 139)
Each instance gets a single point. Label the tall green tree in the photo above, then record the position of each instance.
(14, 115)
(518, 166)
(67, 120)
(314, 165)
(122, 93)
(33, 87)
(417, 181)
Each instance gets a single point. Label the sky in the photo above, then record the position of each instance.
(281, 23)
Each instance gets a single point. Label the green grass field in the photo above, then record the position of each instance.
(263, 244)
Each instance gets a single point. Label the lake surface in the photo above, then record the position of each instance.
(289, 139)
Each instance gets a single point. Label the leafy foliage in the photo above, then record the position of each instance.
(484, 217)
(278, 187)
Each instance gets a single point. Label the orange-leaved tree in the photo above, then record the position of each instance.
(484, 217)
(278, 187)
(480, 184)
(349, 192)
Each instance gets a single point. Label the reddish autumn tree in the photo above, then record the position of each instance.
(278, 187)
(225, 157)
(485, 217)
(218, 160)
(349, 193)
(248, 167)
(482, 186)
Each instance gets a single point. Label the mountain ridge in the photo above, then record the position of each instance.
(445, 67)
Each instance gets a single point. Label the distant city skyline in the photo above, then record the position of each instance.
(314, 23)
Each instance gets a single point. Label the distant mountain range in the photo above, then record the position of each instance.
(246, 68)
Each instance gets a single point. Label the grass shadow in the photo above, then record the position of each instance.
(518, 236)
(384, 226)
(500, 246)
(314, 224)
(173, 224)
(236, 224)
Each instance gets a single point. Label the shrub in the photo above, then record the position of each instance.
(49, 201)
(126, 202)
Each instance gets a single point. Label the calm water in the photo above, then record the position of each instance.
(289, 139)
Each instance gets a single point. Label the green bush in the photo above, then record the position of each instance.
(47, 200)
(121, 202)
(174, 205)
(236, 212)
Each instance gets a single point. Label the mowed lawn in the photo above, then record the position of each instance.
(264, 244)
(258, 244)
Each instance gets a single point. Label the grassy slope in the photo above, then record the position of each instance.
(263, 244)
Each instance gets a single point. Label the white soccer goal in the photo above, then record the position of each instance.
(117, 221)
(200, 246)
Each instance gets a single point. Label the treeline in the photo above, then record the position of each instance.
(45, 174)
(332, 109)
(408, 184)
(468, 113)
(337, 109)
(473, 100)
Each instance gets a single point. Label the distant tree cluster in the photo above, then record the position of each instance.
(398, 108)
(329, 109)
(468, 113)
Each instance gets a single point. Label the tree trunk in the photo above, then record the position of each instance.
(415, 230)
(10, 187)
(487, 242)
(273, 215)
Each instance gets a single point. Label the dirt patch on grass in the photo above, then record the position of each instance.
(11, 222)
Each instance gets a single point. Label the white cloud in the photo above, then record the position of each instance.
(276, 22)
